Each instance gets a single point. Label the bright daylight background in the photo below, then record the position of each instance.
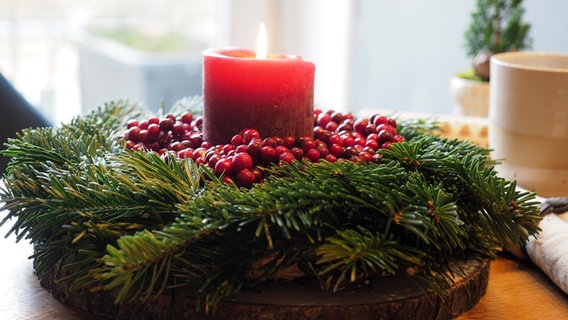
(397, 55)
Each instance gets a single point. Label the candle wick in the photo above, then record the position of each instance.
(261, 42)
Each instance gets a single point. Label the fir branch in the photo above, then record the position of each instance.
(142, 224)
(356, 254)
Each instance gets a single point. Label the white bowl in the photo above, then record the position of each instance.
(528, 119)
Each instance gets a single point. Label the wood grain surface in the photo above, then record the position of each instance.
(517, 290)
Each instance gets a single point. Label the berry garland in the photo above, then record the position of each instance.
(128, 214)
(336, 136)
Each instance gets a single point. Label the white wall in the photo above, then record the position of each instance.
(406, 52)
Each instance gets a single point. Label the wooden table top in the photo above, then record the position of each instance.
(517, 290)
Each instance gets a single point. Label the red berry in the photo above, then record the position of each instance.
(166, 124)
(336, 150)
(360, 125)
(143, 125)
(281, 149)
(397, 138)
(324, 137)
(370, 129)
(253, 148)
(212, 161)
(206, 145)
(250, 134)
(242, 161)
(323, 119)
(223, 166)
(366, 156)
(139, 146)
(297, 152)
(279, 141)
(241, 148)
(335, 139)
(186, 153)
(171, 117)
(143, 136)
(176, 146)
(154, 146)
(313, 155)
(331, 126)
(287, 157)
(373, 144)
(268, 154)
(307, 143)
(322, 148)
(178, 129)
(153, 120)
(270, 142)
(199, 153)
(385, 135)
(131, 123)
(227, 148)
(372, 118)
(245, 178)
(196, 139)
(386, 127)
(153, 131)
(237, 140)
(331, 158)
(199, 160)
(133, 133)
(350, 152)
(187, 143)
(187, 127)
(210, 152)
(380, 120)
(369, 150)
(198, 123)
(186, 117)
(164, 138)
(257, 174)
(337, 117)
(288, 141)
(360, 141)
(344, 127)
(347, 141)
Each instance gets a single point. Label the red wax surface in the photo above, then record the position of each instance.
(274, 96)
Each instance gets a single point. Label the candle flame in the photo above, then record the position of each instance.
(261, 42)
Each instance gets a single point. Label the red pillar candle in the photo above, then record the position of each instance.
(273, 95)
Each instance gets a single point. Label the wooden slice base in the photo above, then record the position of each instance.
(391, 298)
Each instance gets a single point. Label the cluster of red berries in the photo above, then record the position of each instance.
(336, 136)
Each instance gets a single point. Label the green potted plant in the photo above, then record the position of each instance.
(496, 26)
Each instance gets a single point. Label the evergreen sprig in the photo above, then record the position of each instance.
(133, 222)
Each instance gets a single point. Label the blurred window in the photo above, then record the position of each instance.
(38, 55)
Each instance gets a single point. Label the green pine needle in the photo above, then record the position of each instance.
(133, 223)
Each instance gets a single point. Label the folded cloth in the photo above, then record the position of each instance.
(549, 249)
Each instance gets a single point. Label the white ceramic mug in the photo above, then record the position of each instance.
(528, 119)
